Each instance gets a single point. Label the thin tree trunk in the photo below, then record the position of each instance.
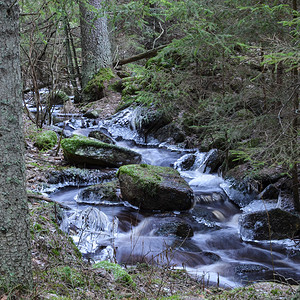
(69, 57)
(15, 252)
(295, 134)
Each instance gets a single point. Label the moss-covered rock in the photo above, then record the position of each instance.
(155, 188)
(81, 150)
(94, 90)
(45, 140)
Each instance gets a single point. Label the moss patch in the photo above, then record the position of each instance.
(45, 140)
(147, 175)
(120, 274)
(77, 141)
(95, 86)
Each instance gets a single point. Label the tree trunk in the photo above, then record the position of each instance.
(15, 252)
(295, 133)
(95, 44)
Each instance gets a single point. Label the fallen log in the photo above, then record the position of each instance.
(140, 56)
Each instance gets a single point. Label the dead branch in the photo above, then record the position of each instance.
(146, 54)
(43, 198)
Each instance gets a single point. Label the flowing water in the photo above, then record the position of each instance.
(118, 231)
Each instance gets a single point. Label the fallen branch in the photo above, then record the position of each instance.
(146, 54)
(43, 198)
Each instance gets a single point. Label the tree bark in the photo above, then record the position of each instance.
(15, 252)
(295, 133)
(95, 44)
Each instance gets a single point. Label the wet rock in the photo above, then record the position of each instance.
(99, 193)
(252, 272)
(99, 135)
(188, 247)
(81, 150)
(76, 176)
(146, 120)
(203, 213)
(155, 188)
(238, 192)
(177, 228)
(92, 114)
(186, 162)
(169, 133)
(59, 130)
(270, 192)
(273, 224)
(212, 161)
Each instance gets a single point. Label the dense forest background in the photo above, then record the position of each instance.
(225, 73)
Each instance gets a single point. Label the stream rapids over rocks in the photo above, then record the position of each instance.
(205, 240)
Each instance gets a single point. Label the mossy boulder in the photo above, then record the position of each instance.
(81, 150)
(99, 193)
(155, 188)
(45, 140)
(94, 90)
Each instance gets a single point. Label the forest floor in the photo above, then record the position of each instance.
(61, 273)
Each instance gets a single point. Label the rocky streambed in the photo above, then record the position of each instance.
(187, 216)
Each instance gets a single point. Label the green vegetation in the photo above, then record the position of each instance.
(96, 85)
(119, 273)
(147, 176)
(77, 141)
(45, 140)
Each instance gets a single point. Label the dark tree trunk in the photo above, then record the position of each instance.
(15, 252)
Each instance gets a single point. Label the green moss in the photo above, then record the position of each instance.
(45, 140)
(69, 276)
(98, 81)
(148, 177)
(120, 274)
(77, 141)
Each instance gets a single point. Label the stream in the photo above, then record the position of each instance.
(215, 253)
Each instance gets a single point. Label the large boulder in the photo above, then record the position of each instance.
(274, 224)
(155, 188)
(87, 151)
